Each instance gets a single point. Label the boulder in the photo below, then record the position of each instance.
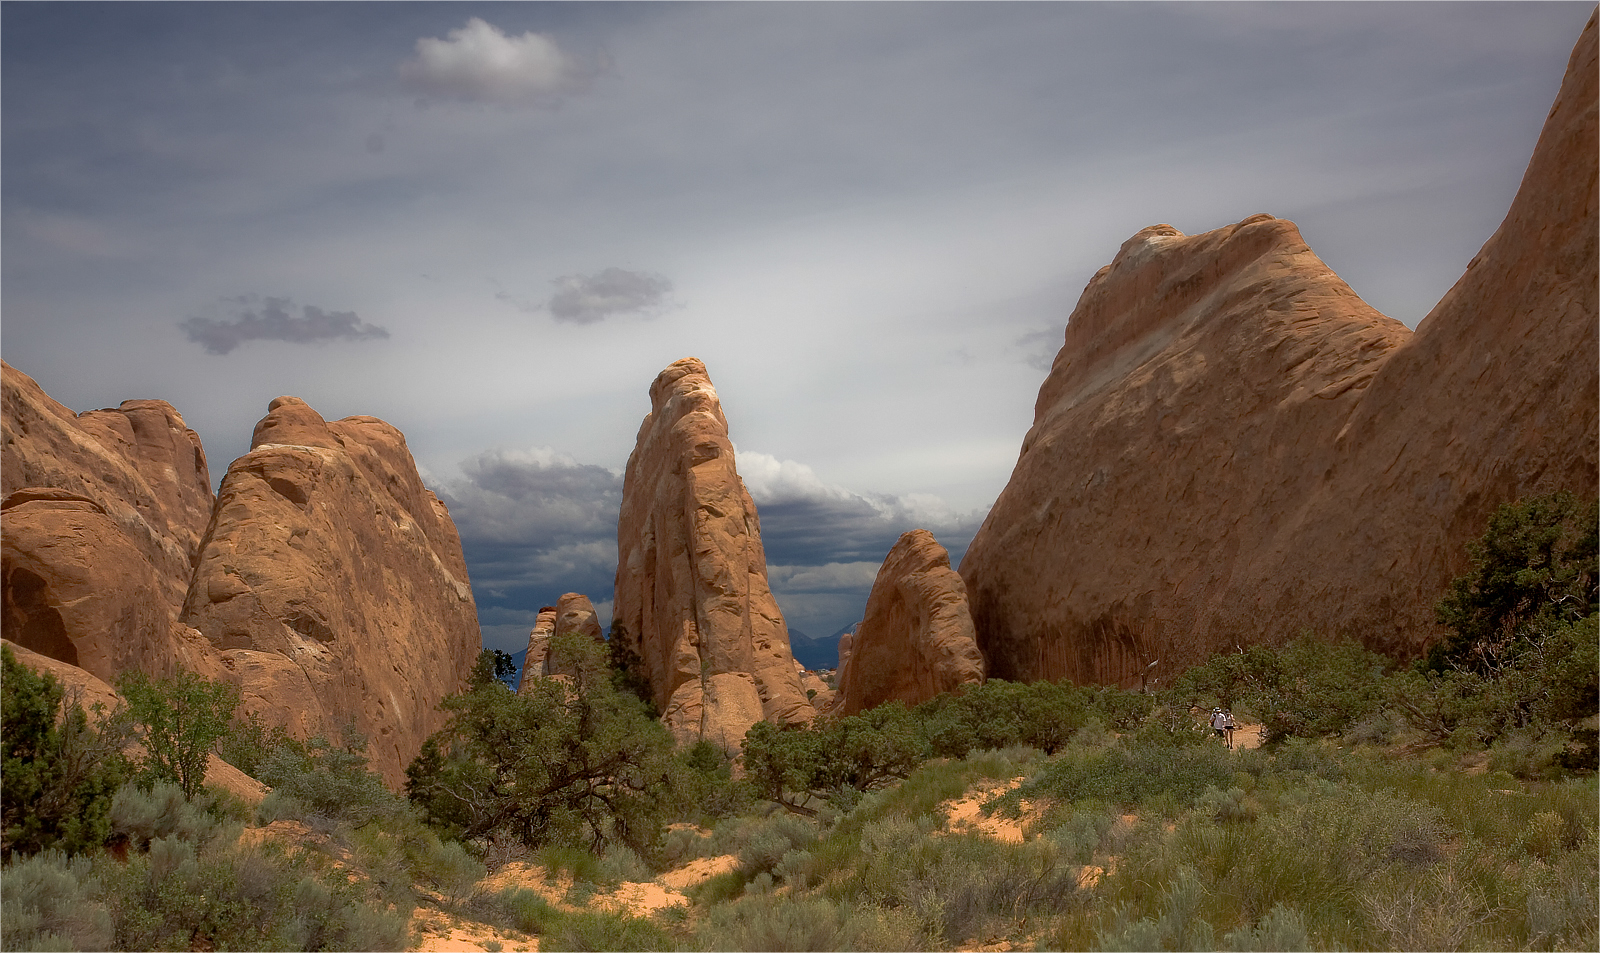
(692, 599)
(330, 571)
(1231, 448)
(916, 639)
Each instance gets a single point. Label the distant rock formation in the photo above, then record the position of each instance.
(533, 663)
(330, 560)
(573, 614)
(325, 580)
(691, 594)
(1232, 448)
(916, 639)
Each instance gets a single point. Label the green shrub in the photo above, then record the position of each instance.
(179, 721)
(515, 908)
(810, 923)
(1128, 777)
(1535, 567)
(58, 772)
(51, 902)
(763, 844)
(605, 930)
(179, 896)
(576, 763)
(142, 815)
(250, 742)
(449, 869)
(319, 781)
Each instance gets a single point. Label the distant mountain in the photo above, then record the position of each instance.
(816, 653)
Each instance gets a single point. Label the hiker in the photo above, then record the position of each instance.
(1218, 723)
(1227, 724)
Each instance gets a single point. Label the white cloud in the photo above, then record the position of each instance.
(771, 480)
(479, 62)
(825, 578)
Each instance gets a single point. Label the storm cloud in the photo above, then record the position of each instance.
(273, 320)
(824, 543)
(478, 62)
(534, 524)
(586, 299)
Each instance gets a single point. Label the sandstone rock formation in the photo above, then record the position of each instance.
(326, 580)
(139, 463)
(330, 569)
(691, 595)
(533, 663)
(575, 615)
(916, 639)
(1232, 448)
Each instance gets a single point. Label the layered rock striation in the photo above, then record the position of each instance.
(1232, 448)
(916, 639)
(692, 599)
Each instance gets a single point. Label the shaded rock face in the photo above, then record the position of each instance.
(326, 552)
(916, 639)
(692, 597)
(1232, 448)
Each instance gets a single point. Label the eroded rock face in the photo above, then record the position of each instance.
(691, 595)
(139, 464)
(534, 662)
(916, 639)
(1232, 448)
(326, 551)
(328, 582)
(575, 615)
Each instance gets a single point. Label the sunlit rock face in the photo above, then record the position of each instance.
(103, 516)
(324, 579)
(916, 639)
(333, 582)
(691, 594)
(1232, 448)
(534, 660)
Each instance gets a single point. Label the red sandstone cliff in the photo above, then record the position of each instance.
(1232, 448)
(325, 579)
(916, 638)
(691, 592)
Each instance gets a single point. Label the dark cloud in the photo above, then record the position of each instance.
(534, 524)
(585, 299)
(824, 543)
(273, 320)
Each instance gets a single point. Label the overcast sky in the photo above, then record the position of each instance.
(493, 224)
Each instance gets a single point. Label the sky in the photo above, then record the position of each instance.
(492, 225)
